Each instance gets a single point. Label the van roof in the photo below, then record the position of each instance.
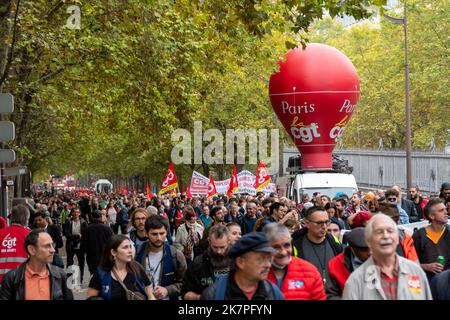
(325, 180)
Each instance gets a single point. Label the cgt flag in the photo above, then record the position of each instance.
(170, 181)
(212, 191)
(262, 177)
(234, 186)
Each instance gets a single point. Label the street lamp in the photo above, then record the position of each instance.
(408, 146)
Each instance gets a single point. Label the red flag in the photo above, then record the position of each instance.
(234, 187)
(170, 180)
(182, 190)
(188, 193)
(147, 188)
(125, 191)
(118, 188)
(212, 191)
(262, 178)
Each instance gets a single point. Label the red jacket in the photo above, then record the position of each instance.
(3, 223)
(338, 271)
(302, 281)
(12, 248)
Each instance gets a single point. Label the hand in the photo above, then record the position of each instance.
(160, 292)
(432, 267)
(191, 296)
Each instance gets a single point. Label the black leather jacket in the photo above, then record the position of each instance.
(13, 284)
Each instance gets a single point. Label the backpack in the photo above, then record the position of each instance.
(423, 237)
(259, 223)
(106, 282)
(221, 288)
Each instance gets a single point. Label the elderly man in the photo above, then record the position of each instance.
(297, 278)
(386, 275)
(252, 256)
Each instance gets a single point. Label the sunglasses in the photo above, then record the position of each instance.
(392, 199)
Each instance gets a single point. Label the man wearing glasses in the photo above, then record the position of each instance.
(393, 197)
(407, 205)
(36, 278)
(313, 243)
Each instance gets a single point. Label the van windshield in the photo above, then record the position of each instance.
(331, 192)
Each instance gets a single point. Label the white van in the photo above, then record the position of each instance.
(327, 183)
(103, 185)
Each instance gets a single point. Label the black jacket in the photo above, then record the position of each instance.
(93, 241)
(199, 275)
(233, 292)
(73, 240)
(440, 286)
(299, 236)
(13, 284)
(54, 232)
(410, 209)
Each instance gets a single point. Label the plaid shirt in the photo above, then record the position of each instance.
(390, 285)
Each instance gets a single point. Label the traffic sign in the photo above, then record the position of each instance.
(7, 131)
(6, 103)
(10, 182)
(7, 156)
(15, 171)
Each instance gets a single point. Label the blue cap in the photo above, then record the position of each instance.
(253, 241)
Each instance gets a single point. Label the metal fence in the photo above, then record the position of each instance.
(384, 168)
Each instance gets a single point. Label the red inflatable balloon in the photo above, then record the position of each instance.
(314, 95)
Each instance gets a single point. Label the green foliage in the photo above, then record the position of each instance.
(105, 99)
(377, 51)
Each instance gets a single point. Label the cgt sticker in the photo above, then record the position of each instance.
(414, 284)
(295, 284)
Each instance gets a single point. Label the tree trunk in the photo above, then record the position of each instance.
(5, 31)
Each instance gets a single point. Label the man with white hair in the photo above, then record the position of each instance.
(296, 278)
(386, 275)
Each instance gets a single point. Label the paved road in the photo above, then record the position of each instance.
(80, 293)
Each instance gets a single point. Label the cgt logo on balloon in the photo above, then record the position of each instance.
(314, 95)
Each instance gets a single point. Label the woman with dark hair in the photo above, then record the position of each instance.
(333, 215)
(116, 269)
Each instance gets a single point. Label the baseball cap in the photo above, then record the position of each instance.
(253, 241)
